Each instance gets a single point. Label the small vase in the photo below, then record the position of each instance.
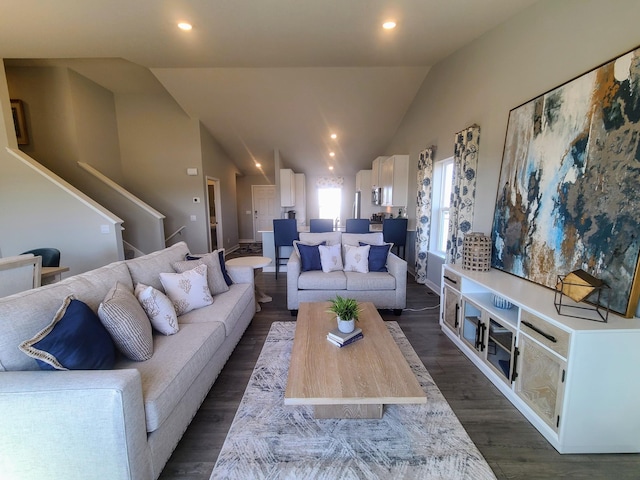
(346, 326)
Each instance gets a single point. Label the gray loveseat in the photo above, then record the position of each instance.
(385, 289)
(111, 424)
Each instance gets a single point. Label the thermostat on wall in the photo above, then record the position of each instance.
(192, 171)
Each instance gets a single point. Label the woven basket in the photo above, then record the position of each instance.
(476, 252)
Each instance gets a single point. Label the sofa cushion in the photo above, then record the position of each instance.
(371, 281)
(22, 316)
(74, 340)
(331, 238)
(147, 269)
(356, 259)
(330, 257)
(158, 308)
(176, 362)
(227, 307)
(127, 323)
(374, 238)
(215, 278)
(189, 290)
(378, 256)
(318, 280)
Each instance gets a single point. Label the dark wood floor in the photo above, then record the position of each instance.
(511, 446)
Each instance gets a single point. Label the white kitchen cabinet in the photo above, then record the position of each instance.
(573, 379)
(287, 188)
(376, 168)
(394, 179)
(301, 198)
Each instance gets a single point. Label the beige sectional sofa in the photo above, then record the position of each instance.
(113, 424)
(385, 289)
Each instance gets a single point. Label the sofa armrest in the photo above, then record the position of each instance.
(293, 272)
(73, 425)
(240, 274)
(397, 267)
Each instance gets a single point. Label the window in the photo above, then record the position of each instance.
(329, 202)
(442, 184)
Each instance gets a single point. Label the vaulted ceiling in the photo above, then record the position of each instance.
(264, 74)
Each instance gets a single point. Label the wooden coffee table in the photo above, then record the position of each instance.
(355, 381)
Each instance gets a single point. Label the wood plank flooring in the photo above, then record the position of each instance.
(513, 448)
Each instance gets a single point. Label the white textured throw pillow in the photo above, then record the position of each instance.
(158, 308)
(189, 290)
(356, 259)
(330, 257)
(127, 323)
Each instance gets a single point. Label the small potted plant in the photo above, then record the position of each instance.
(347, 311)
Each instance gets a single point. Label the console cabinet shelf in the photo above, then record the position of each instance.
(575, 380)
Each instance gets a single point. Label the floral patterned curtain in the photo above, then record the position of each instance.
(330, 182)
(423, 211)
(463, 193)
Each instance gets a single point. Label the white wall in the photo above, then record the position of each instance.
(535, 51)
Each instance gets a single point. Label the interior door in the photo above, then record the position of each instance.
(264, 209)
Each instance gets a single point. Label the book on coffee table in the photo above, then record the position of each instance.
(346, 342)
(341, 337)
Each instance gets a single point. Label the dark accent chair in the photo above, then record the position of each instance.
(320, 225)
(50, 256)
(358, 225)
(285, 231)
(395, 230)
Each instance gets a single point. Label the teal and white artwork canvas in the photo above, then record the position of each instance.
(569, 190)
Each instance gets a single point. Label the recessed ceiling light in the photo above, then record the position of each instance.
(334, 136)
(388, 25)
(331, 168)
(185, 26)
(332, 154)
(258, 165)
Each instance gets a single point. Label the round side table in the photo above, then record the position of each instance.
(256, 263)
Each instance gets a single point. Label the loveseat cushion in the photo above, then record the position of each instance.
(370, 281)
(318, 280)
(147, 269)
(227, 307)
(177, 361)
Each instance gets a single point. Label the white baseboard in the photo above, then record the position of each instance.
(246, 240)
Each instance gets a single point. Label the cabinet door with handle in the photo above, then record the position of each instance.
(540, 380)
(451, 311)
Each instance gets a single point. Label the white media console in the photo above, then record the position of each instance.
(576, 380)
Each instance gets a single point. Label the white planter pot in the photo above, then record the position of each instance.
(346, 326)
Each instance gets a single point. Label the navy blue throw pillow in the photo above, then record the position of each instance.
(309, 257)
(76, 339)
(378, 256)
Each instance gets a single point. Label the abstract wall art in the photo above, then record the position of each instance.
(568, 195)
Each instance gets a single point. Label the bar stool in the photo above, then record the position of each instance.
(285, 231)
(395, 230)
(320, 225)
(357, 225)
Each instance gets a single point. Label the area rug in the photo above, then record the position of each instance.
(268, 440)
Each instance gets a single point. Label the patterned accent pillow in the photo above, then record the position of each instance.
(123, 317)
(189, 290)
(158, 308)
(330, 257)
(356, 259)
(215, 279)
(74, 340)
